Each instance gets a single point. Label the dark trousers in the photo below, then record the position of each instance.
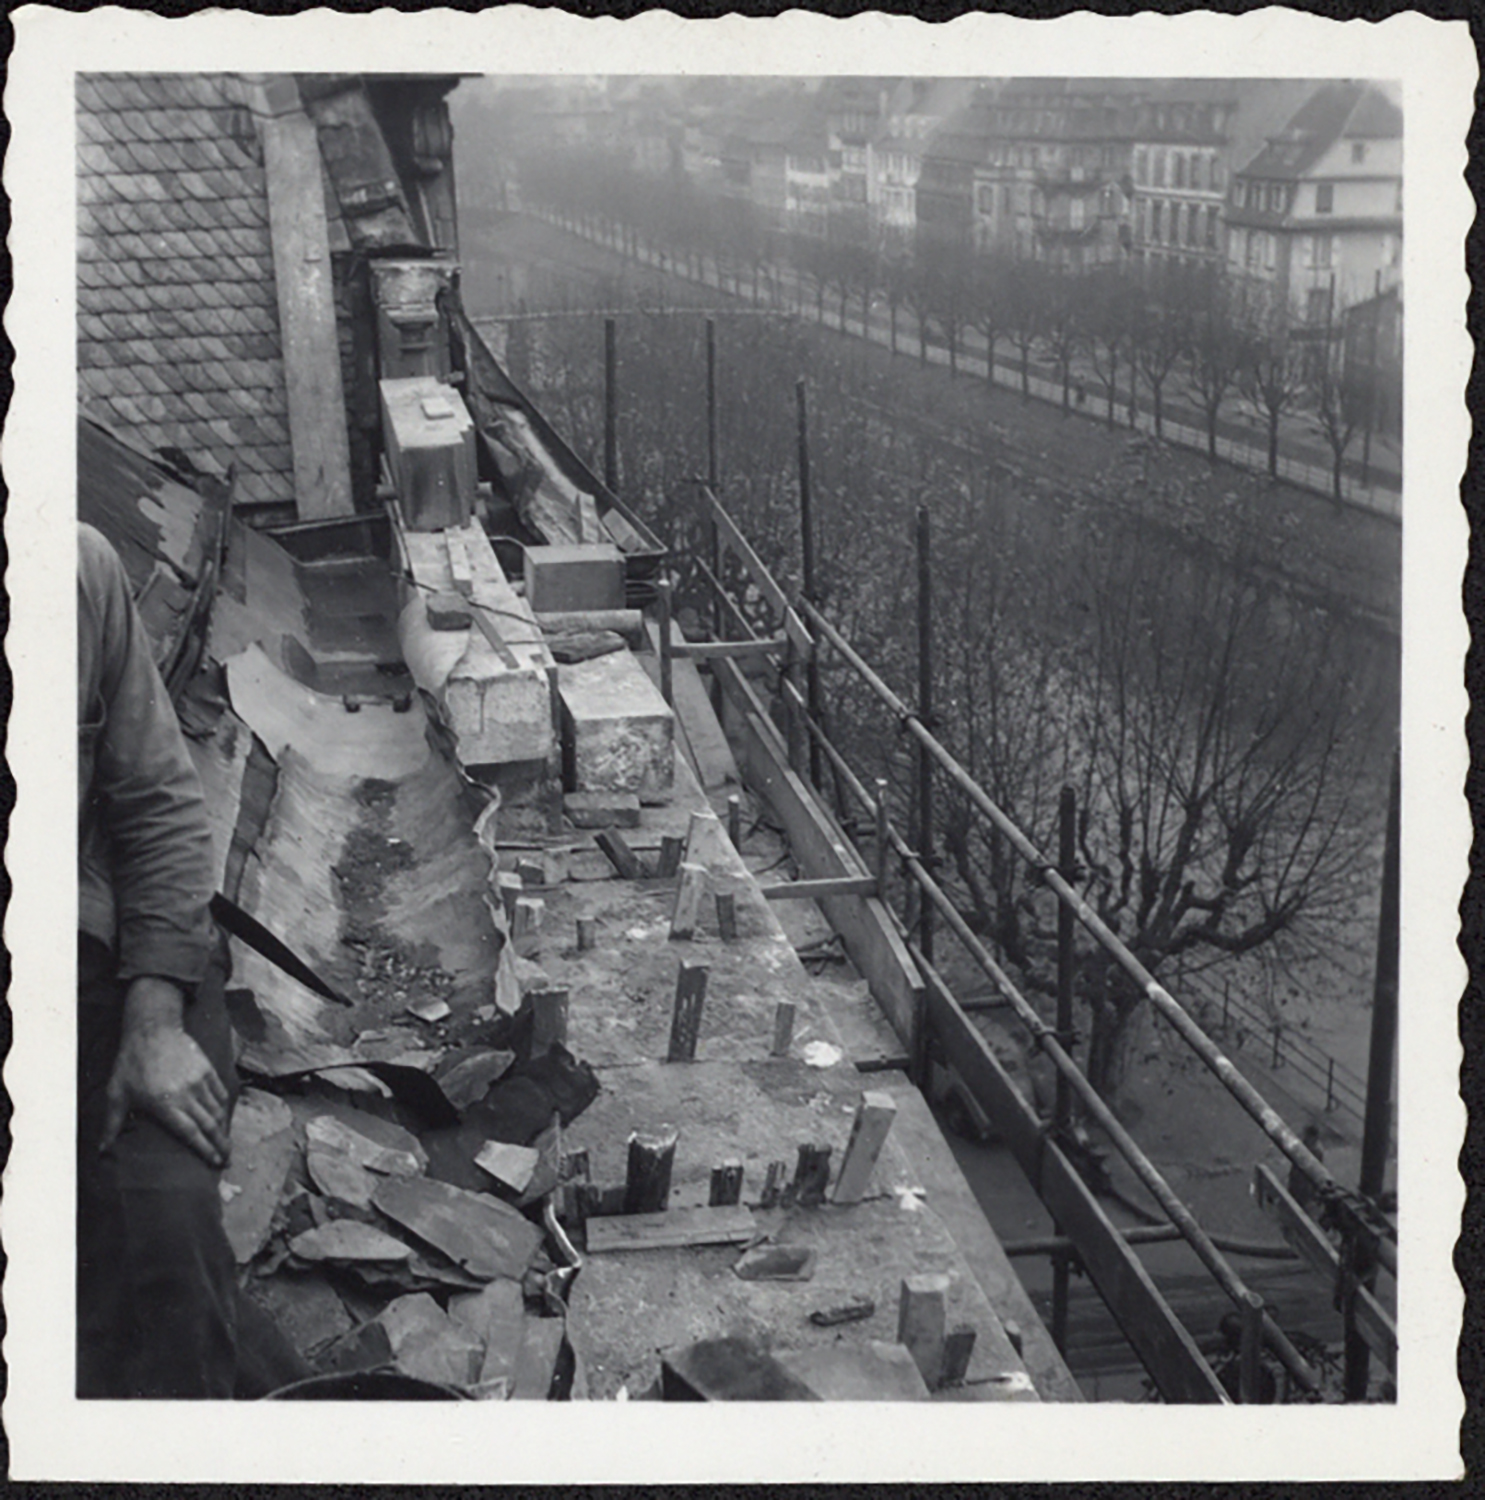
(158, 1308)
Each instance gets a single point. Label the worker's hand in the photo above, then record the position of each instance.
(162, 1072)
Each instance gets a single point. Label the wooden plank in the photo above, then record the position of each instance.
(1372, 1320)
(1164, 1345)
(817, 890)
(866, 928)
(302, 274)
(702, 739)
(676, 1228)
(869, 1130)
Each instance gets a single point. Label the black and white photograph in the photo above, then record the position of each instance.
(767, 712)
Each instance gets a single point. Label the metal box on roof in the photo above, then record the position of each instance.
(430, 450)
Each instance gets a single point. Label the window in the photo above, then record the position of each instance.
(1198, 171)
(1179, 224)
(1240, 194)
(1159, 232)
(1075, 214)
(1251, 258)
(1317, 305)
(1159, 169)
(1211, 235)
(1358, 151)
(1178, 171)
(1145, 217)
(1324, 197)
(1320, 251)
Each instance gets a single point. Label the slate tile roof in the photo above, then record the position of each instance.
(178, 338)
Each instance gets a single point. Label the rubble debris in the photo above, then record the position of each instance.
(497, 1317)
(340, 1177)
(348, 1239)
(480, 1233)
(538, 1360)
(365, 1347)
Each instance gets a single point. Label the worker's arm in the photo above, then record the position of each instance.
(144, 794)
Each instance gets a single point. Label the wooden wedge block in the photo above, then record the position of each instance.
(959, 1347)
(921, 1313)
(783, 1029)
(726, 1183)
(685, 1020)
(690, 892)
(811, 1174)
(620, 855)
(869, 1130)
(647, 1181)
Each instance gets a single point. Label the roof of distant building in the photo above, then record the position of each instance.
(178, 337)
(1335, 111)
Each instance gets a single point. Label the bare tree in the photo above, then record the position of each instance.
(1110, 304)
(1063, 330)
(1339, 398)
(989, 303)
(1161, 335)
(1026, 314)
(1219, 348)
(1222, 740)
(1273, 376)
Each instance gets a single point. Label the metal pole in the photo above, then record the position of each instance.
(1067, 814)
(662, 608)
(1250, 1348)
(807, 556)
(611, 405)
(925, 714)
(713, 540)
(1257, 1107)
(882, 838)
(1376, 1129)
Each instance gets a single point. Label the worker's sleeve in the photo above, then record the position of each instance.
(144, 792)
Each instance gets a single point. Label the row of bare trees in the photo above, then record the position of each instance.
(1225, 739)
(1139, 336)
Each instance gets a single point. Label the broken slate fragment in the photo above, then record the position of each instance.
(378, 1144)
(507, 1164)
(482, 1234)
(341, 1178)
(431, 1010)
(497, 1315)
(469, 1078)
(347, 1239)
(262, 1150)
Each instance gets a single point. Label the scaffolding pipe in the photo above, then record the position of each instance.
(1046, 1039)
(1062, 1102)
(611, 405)
(807, 558)
(1359, 1219)
(925, 711)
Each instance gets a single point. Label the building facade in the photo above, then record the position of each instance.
(1315, 218)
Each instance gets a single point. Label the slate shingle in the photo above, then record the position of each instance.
(177, 323)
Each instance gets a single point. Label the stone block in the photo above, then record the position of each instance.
(587, 576)
(618, 734)
(430, 450)
(601, 809)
